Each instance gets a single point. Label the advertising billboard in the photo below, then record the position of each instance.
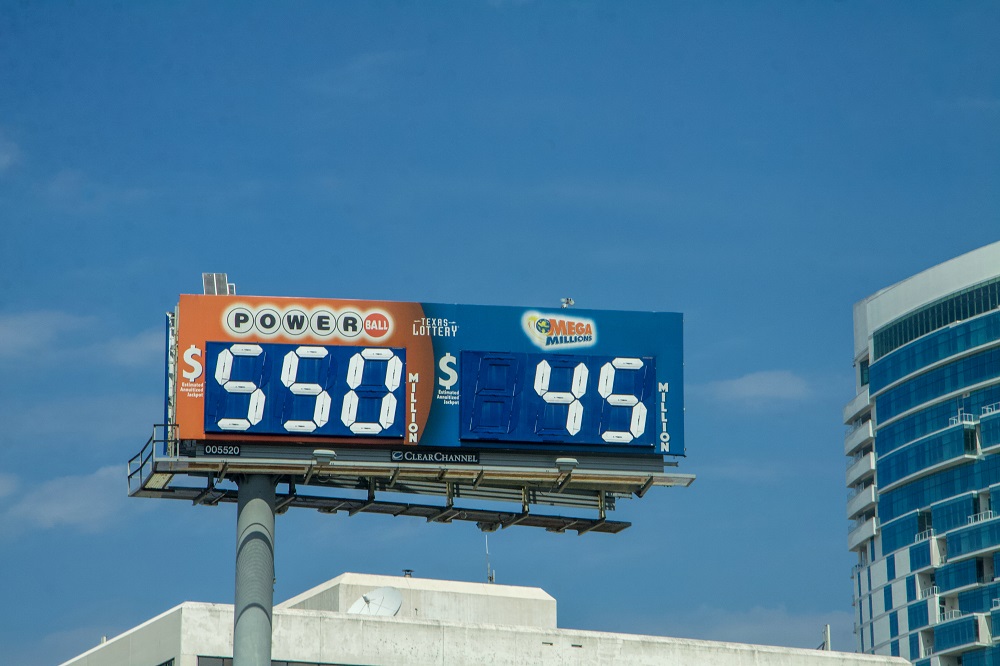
(426, 379)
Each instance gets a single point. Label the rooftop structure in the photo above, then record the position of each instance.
(437, 622)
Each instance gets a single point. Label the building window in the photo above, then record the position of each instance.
(917, 615)
(965, 304)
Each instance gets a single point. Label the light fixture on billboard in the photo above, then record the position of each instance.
(324, 456)
(565, 467)
(566, 464)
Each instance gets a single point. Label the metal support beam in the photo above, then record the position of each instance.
(645, 487)
(254, 571)
(520, 518)
(592, 526)
(371, 499)
(445, 514)
(201, 497)
(281, 505)
(565, 482)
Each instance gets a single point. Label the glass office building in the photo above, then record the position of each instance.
(923, 468)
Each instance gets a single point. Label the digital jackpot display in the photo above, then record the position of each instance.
(391, 374)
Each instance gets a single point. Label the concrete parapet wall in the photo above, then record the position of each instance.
(311, 635)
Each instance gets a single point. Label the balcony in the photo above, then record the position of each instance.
(861, 469)
(863, 501)
(928, 592)
(957, 633)
(964, 418)
(858, 438)
(856, 407)
(860, 534)
(981, 517)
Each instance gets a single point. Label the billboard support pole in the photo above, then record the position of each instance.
(254, 571)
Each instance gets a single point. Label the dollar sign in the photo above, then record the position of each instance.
(196, 367)
(447, 366)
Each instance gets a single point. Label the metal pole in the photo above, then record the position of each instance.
(254, 571)
(826, 638)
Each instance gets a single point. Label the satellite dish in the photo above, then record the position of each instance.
(384, 601)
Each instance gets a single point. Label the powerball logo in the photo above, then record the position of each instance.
(549, 331)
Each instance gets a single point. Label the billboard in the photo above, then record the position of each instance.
(419, 378)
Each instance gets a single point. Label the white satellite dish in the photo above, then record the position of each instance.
(384, 601)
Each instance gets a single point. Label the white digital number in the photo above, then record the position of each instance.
(578, 388)
(289, 376)
(355, 374)
(606, 386)
(223, 370)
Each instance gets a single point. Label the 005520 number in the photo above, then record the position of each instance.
(222, 450)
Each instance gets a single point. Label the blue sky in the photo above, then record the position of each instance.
(757, 166)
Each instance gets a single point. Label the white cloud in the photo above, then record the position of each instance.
(29, 332)
(100, 420)
(72, 190)
(763, 388)
(90, 503)
(58, 333)
(139, 350)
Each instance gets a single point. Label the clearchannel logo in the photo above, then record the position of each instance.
(435, 457)
(548, 331)
(322, 323)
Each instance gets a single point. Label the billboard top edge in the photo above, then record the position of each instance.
(376, 301)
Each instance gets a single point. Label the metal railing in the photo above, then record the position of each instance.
(991, 409)
(928, 591)
(923, 536)
(962, 417)
(855, 458)
(140, 466)
(980, 517)
(857, 523)
(953, 614)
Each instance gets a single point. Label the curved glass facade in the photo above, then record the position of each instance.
(927, 358)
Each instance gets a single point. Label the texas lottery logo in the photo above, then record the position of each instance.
(549, 331)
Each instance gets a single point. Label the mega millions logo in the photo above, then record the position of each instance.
(548, 331)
